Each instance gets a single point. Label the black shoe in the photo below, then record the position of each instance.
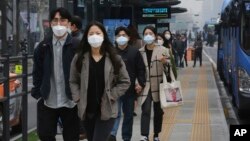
(111, 138)
(134, 114)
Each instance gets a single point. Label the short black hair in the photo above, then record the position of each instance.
(76, 20)
(64, 13)
(122, 28)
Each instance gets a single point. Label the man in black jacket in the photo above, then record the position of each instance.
(136, 70)
(180, 47)
(198, 50)
(52, 59)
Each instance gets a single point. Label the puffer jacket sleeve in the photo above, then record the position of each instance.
(122, 83)
(74, 80)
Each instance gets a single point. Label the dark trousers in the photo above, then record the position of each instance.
(128, 110)
(181, 63)
(145, 117)
(185, 58)
(82, 127)
(47, 119)
(198, 54)
(97, 129)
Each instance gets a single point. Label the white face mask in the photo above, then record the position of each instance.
(149, 39)
(59, 30)
(160, 42)
(122, 40)
(95, 41)
(167, 36)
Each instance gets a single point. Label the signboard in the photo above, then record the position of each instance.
(170, 20)
(18, 69)
(156, 12)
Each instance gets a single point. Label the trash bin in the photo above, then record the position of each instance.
(190, 54)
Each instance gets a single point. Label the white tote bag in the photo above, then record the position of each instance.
(170, 93)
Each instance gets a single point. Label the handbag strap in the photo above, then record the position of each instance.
(164, 77)
(172, 74)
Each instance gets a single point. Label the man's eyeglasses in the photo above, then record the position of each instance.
(56, 20)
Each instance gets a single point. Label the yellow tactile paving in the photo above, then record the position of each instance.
(201, 130)
(183, 121)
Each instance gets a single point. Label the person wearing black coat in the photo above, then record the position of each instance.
(180, 48)
(136, 70)
(51, 72)
(198, 50)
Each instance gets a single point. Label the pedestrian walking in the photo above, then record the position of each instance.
(136, 70)
(98, 77)
(168, 43)
(184, 40)
(161, 42)
(198, 50)
(180, 48)
(154, 57)
(52, 59)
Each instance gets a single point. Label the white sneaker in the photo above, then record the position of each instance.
(156, 139)
(144, 138)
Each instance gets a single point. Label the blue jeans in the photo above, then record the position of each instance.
(126, 103)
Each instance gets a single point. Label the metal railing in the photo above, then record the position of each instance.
(6, 60)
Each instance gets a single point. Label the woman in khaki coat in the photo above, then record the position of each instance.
(155, 58)
(98, 77)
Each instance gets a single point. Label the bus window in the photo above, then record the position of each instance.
(245, 28)
(246, 34)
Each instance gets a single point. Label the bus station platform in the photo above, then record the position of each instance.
(201, 118)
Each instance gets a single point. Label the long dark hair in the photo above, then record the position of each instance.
(166, 41)
(162, 36)
(106, 46)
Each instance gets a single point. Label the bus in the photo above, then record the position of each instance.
(233, 57)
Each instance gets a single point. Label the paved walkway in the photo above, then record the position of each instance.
(201, 118)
